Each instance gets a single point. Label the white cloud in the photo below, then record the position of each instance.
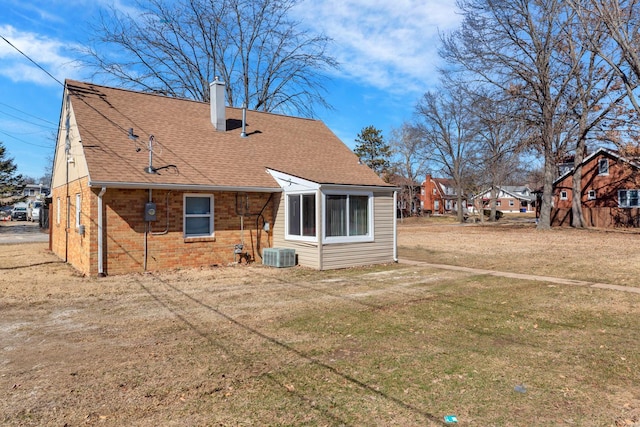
(49, 53)
(386, 44)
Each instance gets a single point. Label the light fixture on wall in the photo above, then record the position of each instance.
(70, 159)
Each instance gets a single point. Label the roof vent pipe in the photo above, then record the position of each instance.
(244, 121)
(216, 97)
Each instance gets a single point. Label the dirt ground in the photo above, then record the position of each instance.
(121, 350)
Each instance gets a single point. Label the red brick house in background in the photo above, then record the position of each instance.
(147, 182)
(438, 196)
(610, 192)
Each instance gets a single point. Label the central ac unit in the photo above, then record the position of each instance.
(279, 257)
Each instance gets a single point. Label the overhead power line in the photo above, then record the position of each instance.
(31, 60)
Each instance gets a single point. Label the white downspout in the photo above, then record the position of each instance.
(395, 227)
(100, 233)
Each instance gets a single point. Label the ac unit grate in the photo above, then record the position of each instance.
(279, 257)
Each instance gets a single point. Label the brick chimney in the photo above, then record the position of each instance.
(216, 97)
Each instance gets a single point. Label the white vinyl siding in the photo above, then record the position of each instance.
(377, 251)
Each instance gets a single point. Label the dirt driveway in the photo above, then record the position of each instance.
(21, 232)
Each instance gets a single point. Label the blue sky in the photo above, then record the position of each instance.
(387, 51)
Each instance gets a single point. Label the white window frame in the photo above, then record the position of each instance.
(301, 238)
(603, 166)
(591, 195)
(185, 215)
(369, 237)
(512, 202)
(564, 195)
(58, 210)
(625, 201)
(78, 209)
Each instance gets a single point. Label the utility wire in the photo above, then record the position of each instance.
(22, 140)
(32, 61)
(28, 114)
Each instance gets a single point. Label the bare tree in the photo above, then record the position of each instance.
(449, 134)
(517, 46)
(501, 140)
(410, 158)
(621, 22)
(268, 60)
(598, 106)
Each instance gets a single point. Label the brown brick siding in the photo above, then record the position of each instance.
(167, 248)
(66, 242)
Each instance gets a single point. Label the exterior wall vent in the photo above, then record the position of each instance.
(279, 257)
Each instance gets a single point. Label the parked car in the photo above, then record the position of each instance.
(19, 212)
(5, 213)
(33, 210)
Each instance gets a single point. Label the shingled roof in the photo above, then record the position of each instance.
(194, 152)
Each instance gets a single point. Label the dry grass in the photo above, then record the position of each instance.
(387, 345)
(605, 256)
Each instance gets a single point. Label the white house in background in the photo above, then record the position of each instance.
(510, 198)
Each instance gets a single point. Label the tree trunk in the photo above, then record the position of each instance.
(544, 222)
(493, 202)
(577, 219)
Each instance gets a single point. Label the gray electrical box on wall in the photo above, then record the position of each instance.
(150, 211)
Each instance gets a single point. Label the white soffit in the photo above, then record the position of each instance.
(290, 183)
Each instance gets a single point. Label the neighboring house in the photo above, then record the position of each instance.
(146, 182)
(438, 196)
(610, 192)
(408, 199)
(509, 199)
(35, 191)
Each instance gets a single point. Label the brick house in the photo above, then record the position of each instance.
(509, 199)
(438, 196)
(147, 182)
(610, 191)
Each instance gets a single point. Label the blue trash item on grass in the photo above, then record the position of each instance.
(520, 388)
(450, 419)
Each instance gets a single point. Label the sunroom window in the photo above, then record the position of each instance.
(348, 217)
(301, 216)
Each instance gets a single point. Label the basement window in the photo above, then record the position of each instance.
(198, 215)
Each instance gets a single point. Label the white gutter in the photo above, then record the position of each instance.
(100, 233)
(182, 187)
(395, 227)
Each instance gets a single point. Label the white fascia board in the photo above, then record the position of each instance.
(182, 187)
(290, 183)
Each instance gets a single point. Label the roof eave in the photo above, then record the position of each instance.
(181, 187)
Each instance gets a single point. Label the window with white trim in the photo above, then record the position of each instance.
(591, 195)
(78, 209)
(58, 210)
(564, 195)
(603, 167)
(628, 198)
(512, 202)
(198, 215)
(301, 216)
(348, 217)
